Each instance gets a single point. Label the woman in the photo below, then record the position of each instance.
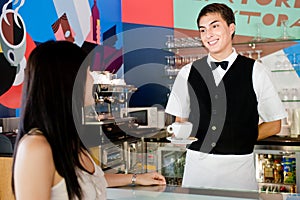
(50, 160)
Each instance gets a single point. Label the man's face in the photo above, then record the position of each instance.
(216, 35)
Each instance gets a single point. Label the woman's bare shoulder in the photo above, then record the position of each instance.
(35, 148)
(34, 156)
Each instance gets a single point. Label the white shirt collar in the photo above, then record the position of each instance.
(231, 58)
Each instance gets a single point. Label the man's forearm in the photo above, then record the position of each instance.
(267, 129)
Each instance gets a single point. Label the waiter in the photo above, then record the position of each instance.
(223, 95)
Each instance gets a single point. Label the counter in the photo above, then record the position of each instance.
(179, 193)
(277, 140)
(280, 145)
(275, 145)
(161, 135)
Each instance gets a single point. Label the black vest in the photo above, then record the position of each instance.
(224, 117)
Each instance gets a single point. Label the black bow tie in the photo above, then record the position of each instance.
(224, 65)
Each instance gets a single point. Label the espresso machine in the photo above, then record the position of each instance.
(111, 95)
(111, 141)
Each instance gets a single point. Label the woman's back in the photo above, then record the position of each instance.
(43, 175)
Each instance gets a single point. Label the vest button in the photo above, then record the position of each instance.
(214, 112)
(213, 128)
(213, 144)
(216, 96)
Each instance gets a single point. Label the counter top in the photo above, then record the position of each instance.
(272, 140)
(277, 140)
(276, 143)
(177, 192)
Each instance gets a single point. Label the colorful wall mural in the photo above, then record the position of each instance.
(26, 23)
(269, 15)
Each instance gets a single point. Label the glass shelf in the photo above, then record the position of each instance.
(249, 43)
(283, 70)
(109, 88)
(277, 187)
(263, 41)
(289, 100)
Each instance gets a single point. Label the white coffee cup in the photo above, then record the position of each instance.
(181, 130)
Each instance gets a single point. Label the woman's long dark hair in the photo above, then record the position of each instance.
(50, 75)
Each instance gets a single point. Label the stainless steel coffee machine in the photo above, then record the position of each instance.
(113, 153)
(110, 94)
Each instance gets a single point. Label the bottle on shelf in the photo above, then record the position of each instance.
(289, 169)
(278, 172)
(260, 168)
(269, 170)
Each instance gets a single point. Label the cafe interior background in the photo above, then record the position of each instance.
(143, 29)
(146, 42)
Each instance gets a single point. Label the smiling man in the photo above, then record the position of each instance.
(223, 95)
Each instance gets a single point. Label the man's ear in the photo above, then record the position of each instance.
(232, 28)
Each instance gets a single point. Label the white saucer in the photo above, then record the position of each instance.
(182, 141)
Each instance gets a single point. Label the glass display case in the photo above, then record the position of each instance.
(171, 161)
(277, 168)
